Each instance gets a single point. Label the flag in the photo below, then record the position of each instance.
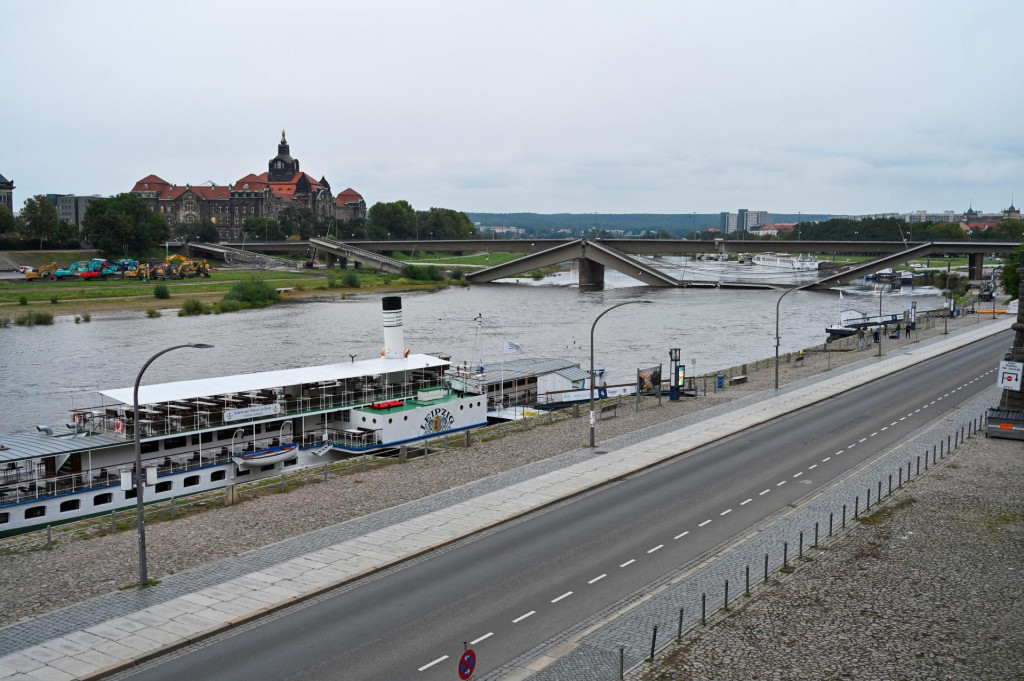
(513, 348)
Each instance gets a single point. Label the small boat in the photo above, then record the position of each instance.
(267, 457)
(850, 321)
(803, 263)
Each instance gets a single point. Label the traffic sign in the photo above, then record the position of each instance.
(1009, 375)
(467, 663)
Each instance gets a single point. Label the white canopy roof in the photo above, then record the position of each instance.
(220, 385)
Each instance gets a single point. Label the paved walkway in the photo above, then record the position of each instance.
(118, 630)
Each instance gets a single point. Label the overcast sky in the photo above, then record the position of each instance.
(614, 107)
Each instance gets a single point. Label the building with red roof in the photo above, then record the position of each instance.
(265, 195)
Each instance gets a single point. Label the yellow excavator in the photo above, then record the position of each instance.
(140, 272)
(44, 272)
(188, 268)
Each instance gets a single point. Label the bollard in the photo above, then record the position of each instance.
(867, 507)
(961, 434)
(49, 537)
(900, 481)
(622, 662)
(703, 609)
(725, 601)
(747, 592)
(844, 516)
(465, 646)
(919, 465)
(766, 568)
(879, 495)
(325, 469)
(679, 632)
(785, 556)
(856, 507)
(947, 443)
(815, 534)
(801, 550)
(830, 524)
(654, 640)
(933, 454)
(466, 441)
(925, 459)
(908, 471)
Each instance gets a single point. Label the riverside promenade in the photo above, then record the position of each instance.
(118, 630)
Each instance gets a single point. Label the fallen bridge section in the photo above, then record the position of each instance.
(870, 267)
(336, 250)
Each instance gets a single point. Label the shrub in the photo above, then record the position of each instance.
(78, 320)
(350, 280)
(536, 275)
(457, 275)
(22, 300)
(152, 313)
(254, 291)
(422, 273)
(161, 291)
(333, 281)
(34, 318)
(4, 321)
(53, 300)
(232, 306)
(193, 306)
(86, 317)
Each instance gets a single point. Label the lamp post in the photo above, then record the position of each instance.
(592, 375)
(777, 337)
(139, 482)
(881, 330)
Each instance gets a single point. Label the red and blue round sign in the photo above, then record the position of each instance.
(467, 663)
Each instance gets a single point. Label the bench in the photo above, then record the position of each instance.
(733, 380)
(609, 409)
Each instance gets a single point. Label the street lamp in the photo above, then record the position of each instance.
(139, 482)
(777, 337)
(881, 330)
(592, 375)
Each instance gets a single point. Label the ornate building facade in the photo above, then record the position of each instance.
(265, 195)
(7, 194)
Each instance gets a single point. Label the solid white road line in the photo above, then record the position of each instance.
(744, 503)
(482, 638)
(680, 536)
(628, 562)
(704, 523)
(523, 617)
(565, 595)
(431, 664)
(598, 578)
(659, 546)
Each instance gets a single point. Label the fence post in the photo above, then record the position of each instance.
(879, 495)
(282, 482)
(830, 524)
(49, 537)
(844, 516)
(908, 471)
(867, 509)
(113, 521)
(933, 454)
(703, 609)
(925, 459)
(919, 464)
(622, 662)
(801, 550)
(174, 509)
(856, 507)
(766, 568)
(679, 632)
(785, 556)
(899, 483)
(747, 592)
(654, 640)
(815, 534)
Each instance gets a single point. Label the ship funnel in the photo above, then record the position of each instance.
(394, 336)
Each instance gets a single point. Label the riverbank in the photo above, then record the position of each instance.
(927, 587)
(74, 570)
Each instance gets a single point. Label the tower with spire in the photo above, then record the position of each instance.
(282, 168)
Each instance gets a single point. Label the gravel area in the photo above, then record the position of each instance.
(927, 588)
(74, 570)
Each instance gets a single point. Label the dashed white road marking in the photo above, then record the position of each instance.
(893, 423)
(862, 439)
(780, 484)
(744, 503)
(839, 452)
(565, 595)
(885, 427)
(872, 435)
(523, 617)
(431, 664)
(726, 511)
(761, 494)
(826, 459)
(916, 410)
(704, 523)
(628, 562)
(811, 468)
(659, 546)
(903, 418)
(797, 475)
(680, 536)
(482, 638)
(598, 578)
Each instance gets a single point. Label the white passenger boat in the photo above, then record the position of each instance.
(802, 263)
(203, 434)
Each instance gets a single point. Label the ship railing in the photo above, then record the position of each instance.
(27, 488)
(159, 420)
(352, 438)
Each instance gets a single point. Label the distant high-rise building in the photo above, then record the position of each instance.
(71, 208)
(727, 222)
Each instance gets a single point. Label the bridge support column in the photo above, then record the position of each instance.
(356, 264)
(342, 262)
(591, 274)
(975, 265)
(330, 259)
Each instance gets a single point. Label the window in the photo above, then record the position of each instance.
(164, 486)
(264, 469)
(70, 505)
(242, 472)
(5, 518)
(130, 494)
(218, 475)
(35, 512)
(191, 481)
(291, 462)
(150, 447)
(101, 499)
(175, 442)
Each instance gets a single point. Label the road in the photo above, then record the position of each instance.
(511, 589)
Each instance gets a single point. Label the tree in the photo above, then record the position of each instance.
(9, 222)
(1010, 278)
(262, 228)
(394, 220)
(201, 231)
(445, 223)
(40, 218)
(123, 225)
(297, 220)
(66, 233)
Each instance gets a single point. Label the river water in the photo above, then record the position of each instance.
(48, 370)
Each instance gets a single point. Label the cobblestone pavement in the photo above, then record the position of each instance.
(789, 628)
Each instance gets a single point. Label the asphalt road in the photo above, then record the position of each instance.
(511, 589)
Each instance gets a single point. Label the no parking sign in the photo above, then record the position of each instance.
(1009, 375)
(467, 663)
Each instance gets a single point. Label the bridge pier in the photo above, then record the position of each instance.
(591, 274)
(975, 266)
(329, 260)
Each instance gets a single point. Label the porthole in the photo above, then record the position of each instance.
(5, 518)
(375, 420)
(391, 420)
(461, 407)
(218, 475)
(191, 481)
(70, 505)
(164, 486)
(35, 512)
(405, 418)
(101, 499)
(364, 419)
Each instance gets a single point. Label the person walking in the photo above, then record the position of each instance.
(860, 338)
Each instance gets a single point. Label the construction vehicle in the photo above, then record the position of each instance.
(72, 270)
(139, 272)
(44, 272)
(188, 268)
(101, 269)
(161, 270)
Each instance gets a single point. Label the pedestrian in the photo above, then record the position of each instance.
(860, 338)
(877, 334)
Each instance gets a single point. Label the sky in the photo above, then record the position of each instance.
(838, 106)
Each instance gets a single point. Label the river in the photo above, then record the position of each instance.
(48, 370)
